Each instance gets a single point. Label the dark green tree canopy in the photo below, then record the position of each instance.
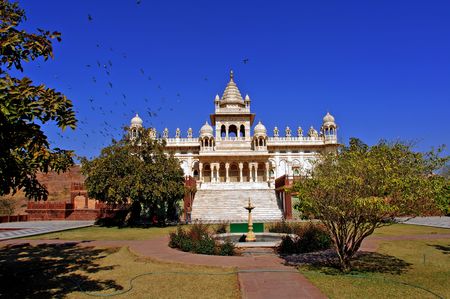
(24, 148)
(362, 187)
(136, 172)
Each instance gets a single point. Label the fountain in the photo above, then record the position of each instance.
(252, 239)
(250, 235)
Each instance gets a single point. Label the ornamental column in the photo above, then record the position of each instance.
(241, 166)
(267, 171)
(227, 177)
(256, 172)
(217, 172)
(250, 174)
(200, 171)
(213, 172)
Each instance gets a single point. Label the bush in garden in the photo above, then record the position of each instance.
(309, 237)
(198, 239)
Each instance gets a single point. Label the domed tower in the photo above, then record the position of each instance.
(206, 138)
(329, 127)
(232, 117)
(260, 137)
(136, 124)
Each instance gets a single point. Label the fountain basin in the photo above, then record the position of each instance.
(262, 239)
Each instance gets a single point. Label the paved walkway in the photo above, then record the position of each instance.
(435, 221)
(260, 277)
(12, 230)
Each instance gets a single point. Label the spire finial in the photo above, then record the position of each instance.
(231, 75)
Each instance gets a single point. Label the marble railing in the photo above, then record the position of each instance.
(271, 140)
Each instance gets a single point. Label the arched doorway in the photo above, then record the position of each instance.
(222, 173)
(245, 173)
(234, 172)
(261, 172)
(207, 173)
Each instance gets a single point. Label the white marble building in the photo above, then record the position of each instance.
(228, 154)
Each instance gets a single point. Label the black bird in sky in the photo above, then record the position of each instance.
(245, 60)
(89, 18)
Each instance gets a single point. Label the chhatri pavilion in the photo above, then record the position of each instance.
(231, 162)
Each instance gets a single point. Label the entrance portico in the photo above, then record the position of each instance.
(233, 172)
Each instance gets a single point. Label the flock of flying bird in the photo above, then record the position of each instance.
(107, 131)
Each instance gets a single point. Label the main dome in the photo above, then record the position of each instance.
(232, 95)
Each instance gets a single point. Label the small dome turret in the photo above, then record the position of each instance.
(206, 130)
(328, 120)
(136, 121)
(260, 130)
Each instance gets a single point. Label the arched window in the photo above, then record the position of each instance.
(242, 131)
(232, 131)
(223, 132)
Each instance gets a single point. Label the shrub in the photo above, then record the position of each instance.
(199, 240)
(310, 237)
(284, 227)
(222, 228)
(176, 237)
(198, 231)
(227, 248)
(186, 244)
(206, 245)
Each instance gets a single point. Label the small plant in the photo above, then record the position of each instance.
(199, 239)
(222, 228)
(309, 237)
(206, 245)
(284, 227)
(227, 248)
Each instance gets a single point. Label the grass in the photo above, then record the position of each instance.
(400, 269)
(110, 233)
(127, 233)
(107, 233)
(408, 229)
(56, 271)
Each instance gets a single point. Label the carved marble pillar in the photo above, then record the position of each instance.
(250, 173)
(256, 172)
(241, 166)
(217, 172)
(267, 171)
(200, 171)
(227, 176)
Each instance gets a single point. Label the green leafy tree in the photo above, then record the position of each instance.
(361, 188)
(139, 173)
(24, 148)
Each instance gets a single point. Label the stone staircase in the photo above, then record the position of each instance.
(227, 204)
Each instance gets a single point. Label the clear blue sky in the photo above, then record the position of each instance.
(382, 68)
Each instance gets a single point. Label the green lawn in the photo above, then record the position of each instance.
(401, 269)
(107, 233)
(114, 233)
(68, 271)
(409, 229)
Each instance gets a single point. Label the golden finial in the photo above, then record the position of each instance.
(231, 75)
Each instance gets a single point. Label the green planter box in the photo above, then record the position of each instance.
(243, 227)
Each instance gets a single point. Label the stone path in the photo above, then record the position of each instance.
(12, 230)
(260, 277)
(435, 221)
